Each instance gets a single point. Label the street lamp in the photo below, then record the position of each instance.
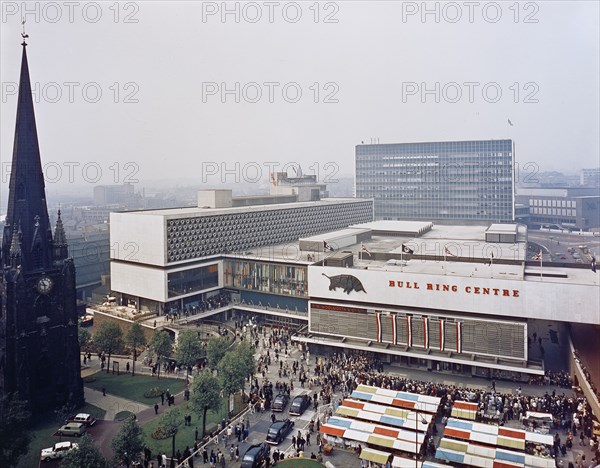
(417, 420)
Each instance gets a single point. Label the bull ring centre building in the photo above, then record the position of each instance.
(445, 298)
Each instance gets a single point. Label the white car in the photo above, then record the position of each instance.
(59, 450)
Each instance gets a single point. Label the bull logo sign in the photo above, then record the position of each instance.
(348, 283)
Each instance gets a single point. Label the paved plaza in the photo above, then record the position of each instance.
(260, 422)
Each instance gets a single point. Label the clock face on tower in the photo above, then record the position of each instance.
(44, 285)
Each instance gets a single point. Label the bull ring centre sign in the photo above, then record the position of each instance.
(453, 288)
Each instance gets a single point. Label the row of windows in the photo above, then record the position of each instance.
(196, 279)
(554, 203)
(554, 211)
(266, 277)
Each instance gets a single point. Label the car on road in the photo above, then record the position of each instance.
(59, 450)
(562, 257)
(279, 431)
(84, 418)
(72, 429)
(299, 405)
(255, 456)
(280, 402)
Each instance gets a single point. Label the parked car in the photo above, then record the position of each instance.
(72, 429)
(299, 405)
(59, 450)
(255, 456)
(280, 402)
(87, 320)
(84, 418)
(279, 431)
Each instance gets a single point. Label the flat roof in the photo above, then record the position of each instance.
(502, 228)
(466, 242)
(335, 234)
(194, 211)
(400, 226)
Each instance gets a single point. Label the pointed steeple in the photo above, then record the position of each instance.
(26, 196)
(61, 250)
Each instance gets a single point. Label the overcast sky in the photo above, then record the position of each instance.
(385, 70)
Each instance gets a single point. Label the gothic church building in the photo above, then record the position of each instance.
(39, 347)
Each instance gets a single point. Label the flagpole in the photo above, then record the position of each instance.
(444, 265)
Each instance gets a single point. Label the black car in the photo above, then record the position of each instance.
(299, 405)
(280, 402)
(279, 430)
(255, 456)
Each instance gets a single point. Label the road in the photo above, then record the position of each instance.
(555, 245)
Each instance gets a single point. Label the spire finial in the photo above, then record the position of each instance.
(23, 34)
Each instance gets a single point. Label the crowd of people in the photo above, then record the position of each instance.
(334, 377)
(214, 302)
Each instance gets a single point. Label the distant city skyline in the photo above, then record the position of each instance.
(154, 90)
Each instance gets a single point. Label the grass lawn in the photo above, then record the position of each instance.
(185, 434)
(133, 388)
(41, 435)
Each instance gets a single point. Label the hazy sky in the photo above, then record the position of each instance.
(386, 70)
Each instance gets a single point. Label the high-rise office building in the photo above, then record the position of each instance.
(471, 181)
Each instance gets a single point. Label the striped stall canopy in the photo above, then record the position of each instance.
(381, 414)
(494, 435)
(459, 452)
(413, 401)
(397, 439)
(464, 410)
(402, 462)
(376, 456)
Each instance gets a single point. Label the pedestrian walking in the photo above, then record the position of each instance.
(155, 408)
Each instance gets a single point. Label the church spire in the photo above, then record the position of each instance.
(27, 208)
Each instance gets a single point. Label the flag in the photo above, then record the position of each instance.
(327, 247)
(363, 248)
(407, 249)
(491, 259)
(510, 123)
(537, 256)
(447, 252)
(594, 264)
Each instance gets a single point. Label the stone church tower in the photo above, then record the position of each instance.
(39, 347)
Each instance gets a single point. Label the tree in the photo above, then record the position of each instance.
(206, 395)
(215, 350)
(87, 455)
(128, 444)
(189, 349)
(84, 337)
(161, 345)
(170, 421)
(109, 338)
(232, 373)
(135, 338)
(14, 428)
(245, 352)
